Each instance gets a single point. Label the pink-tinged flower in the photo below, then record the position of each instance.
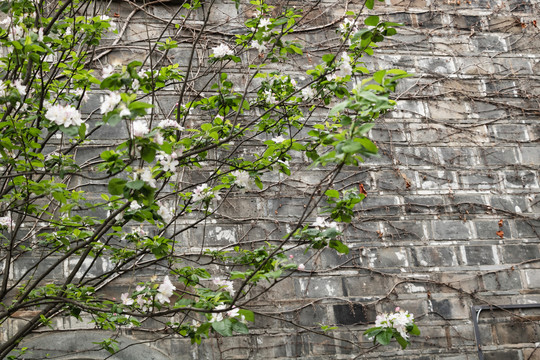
(217, 317)
(291, 256)
(140, 128)
(234, 312)
(126, 300)
(301, 267)
(165, 290)
(200, 192)
(7, 222)
(224, 285)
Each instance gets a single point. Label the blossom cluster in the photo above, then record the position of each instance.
(203, 192)
(234, 312)
(221, 51)
(242, 179)
(321, 224)
(399, 320)
(64, 115)
(224, 285)
(7, 222)
(164, 292)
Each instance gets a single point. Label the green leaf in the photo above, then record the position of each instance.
(240, 328)
(223, 327)
(332, 193)
(364, 129)
(339, 107)
(384, 337)
(148, 153)
(372, 20)
(379, 76)
(116, 186)
(296, 49)
(370, 3)
(248, 315)
(415, 330)
(327, 58)
(206, 127)
(339, 246)
(135, 184)
(401, 341)
(369, 145)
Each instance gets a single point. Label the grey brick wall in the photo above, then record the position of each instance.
(459, 156)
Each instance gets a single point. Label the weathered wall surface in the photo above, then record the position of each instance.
(451, 216)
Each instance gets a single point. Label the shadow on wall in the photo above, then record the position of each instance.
(79, 345)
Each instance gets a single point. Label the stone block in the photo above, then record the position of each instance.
(353, 314)
(480, 255)
(450, 308)
(504, 280)
(513, 254)
(451, 230)
(490, 229)
(439, 256)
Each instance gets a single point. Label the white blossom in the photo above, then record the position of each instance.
(168, 124)
(64, 115)
(221, 51)
(264, 22)
(107, 71)
(301, 267)
(135, 85)
(140, 128)
(165, 213)
(3, 89)
(15, 33)
(20, 87)
(148, 177)
(109, 102)
(217, 317)
(258, 45)
(321, 223)
(269, 97)
(7, 222)
(126, 300)
(224, 285)
(398, 320)
(200, 192)
(278, 139)
(308, 93)
(158, 139)
(168, 162)
(165, 290)
(242, 178)
(134, 206)
(124, 111)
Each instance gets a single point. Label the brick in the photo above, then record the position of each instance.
(351, 314)
(450, 308)
(521, 179)
(532, 278)
(504, 280)
(513, 254)
(480, 255)
(501, 355)
(489, 229)
(434, 256)
(451, 230)
(515, 333)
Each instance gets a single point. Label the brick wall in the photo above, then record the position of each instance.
(451, 218)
